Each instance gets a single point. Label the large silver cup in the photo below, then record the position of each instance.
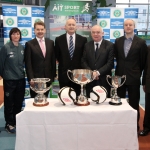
(82, 77)
(116, 82)
(39, 86)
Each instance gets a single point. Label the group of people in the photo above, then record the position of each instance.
(72, 51)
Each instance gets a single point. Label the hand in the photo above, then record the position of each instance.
(144, 88)
(1, 78)
(31, 83)
(95, 75)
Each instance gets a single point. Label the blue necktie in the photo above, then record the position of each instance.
(71, 48)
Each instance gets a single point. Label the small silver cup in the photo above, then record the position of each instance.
(40, 87)
(115, 83)
(82, 77)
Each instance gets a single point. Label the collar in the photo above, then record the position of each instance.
(68, 36)
(129, 37)
(38, 39)
(99, 43)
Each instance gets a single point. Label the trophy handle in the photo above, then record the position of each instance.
(124, 76)
(108, 76)
(69, 76)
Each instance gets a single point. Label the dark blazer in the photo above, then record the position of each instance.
(63, 56)
(132, 65)
(36, 65)
(146, 74)
(103, 62)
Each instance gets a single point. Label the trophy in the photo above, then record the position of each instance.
(82, 77)
(116, 83)
(39, 86)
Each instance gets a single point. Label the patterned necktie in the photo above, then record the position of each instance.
(71, 48)
(96, 49)
(42, 47)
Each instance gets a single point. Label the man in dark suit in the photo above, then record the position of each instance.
(130, 52)
(146, 88)
(69, 50)
(98, 55)
(40, 59)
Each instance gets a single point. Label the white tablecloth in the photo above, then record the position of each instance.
(93, 127)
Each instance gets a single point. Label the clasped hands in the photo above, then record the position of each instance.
(95, 75)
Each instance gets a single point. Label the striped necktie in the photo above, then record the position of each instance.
(96, 49)
(42, 47)
(71, 48)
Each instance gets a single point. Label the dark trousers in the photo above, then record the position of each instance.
(71, 84)
(134, 96)
(14, 91)
(146, 123)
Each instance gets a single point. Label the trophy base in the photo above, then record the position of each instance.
(116, 104)
(79, 104)
(40, 105)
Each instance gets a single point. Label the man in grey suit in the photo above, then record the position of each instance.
(98, 55)
(40, 59)
(65, 58)
(130, 52)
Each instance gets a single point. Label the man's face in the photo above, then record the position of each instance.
(70, 26)
(129, 26)
(39, 31)
(96, 33)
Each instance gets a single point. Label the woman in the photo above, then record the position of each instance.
(12, 72)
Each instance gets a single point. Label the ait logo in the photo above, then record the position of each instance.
(116, 34)
(37, 20)
(24, 32)
(103, 23)
(9, 21)
(24, 11)
(117, 13)
(26, 92)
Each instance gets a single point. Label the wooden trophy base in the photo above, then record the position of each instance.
(40, 105)
(79, 104)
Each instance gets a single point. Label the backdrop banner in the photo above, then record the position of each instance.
(60, 11)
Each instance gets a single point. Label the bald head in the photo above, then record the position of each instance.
(70, 26)
(97, 33)
(129, 26)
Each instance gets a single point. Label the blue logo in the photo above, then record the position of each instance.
(103, 13)
(116, 23)
(37, 12)
(24, 21)
(6, 32)
(106, 33)
(24, 40)
(9, 10)
(33, 34)
(131, 13)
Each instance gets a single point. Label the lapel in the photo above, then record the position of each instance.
(134, 43)
(65, 46)
(92, 50)
(38, 48)
(121, 46)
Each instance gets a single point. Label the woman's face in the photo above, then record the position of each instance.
(15, 37)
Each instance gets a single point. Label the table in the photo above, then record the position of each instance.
(93, 127)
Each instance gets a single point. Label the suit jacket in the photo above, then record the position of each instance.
(132, 65)
(146, 74)
(63, 56)
(38, 66)
(103, 62)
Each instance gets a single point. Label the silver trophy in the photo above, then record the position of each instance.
(116, 82)
(39, 85)
(82, 77)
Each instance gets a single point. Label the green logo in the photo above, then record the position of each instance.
(37, 20)
(117, 13)
(103, 23)
(26, 92)
(10, 21)
(24, 11)
(24, 32)
(116, 34)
